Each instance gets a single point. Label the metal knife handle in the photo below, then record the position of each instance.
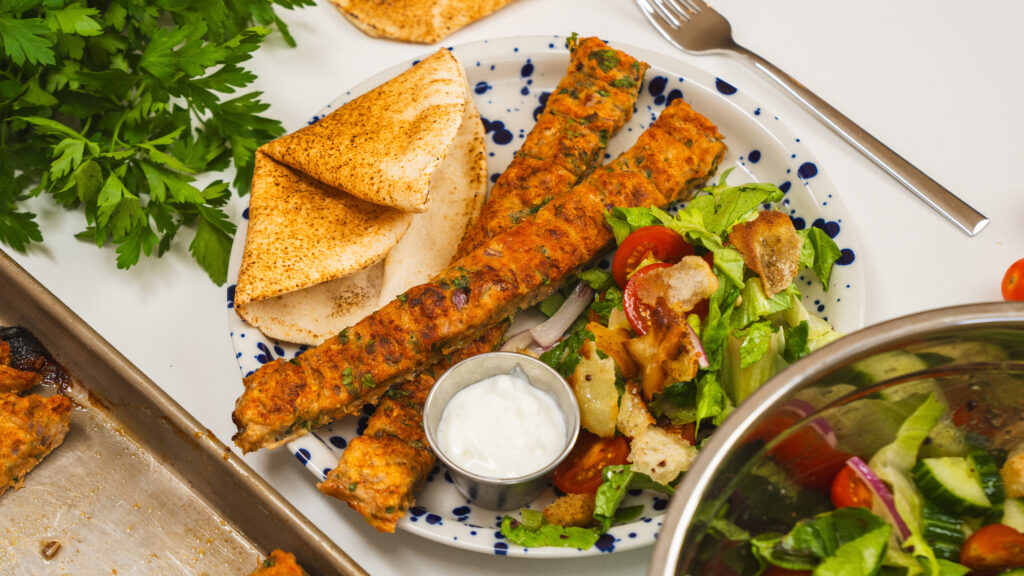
(931, 192)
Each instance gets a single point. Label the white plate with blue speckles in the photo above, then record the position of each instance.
(510, 79)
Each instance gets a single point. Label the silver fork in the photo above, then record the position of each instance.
(693, 26)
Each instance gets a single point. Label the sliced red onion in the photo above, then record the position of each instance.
(549, 332)
(702, 356)
(882, 493)
(804, 409)
(517, 341)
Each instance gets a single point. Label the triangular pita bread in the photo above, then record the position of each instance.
(302, 232)
(424, 21)
(304, 283)
(384, 145)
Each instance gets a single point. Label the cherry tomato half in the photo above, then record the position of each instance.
(580, 472)
(849, 491)
(992, 548)
(658, 241)
(1013, 281)
(637, 312)
(807, 457)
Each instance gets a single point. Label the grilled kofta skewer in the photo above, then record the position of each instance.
(589, 105)
(380, 471)
(512, 271)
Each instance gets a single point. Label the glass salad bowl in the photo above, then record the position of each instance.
(773, 462)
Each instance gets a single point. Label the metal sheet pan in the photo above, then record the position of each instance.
(139, 486)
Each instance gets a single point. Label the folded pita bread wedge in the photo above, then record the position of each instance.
(304, 233)
(457, 191)
(303, 283)
(424, 21)
(384, 145)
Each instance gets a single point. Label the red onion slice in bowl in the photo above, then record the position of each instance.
(881, 493)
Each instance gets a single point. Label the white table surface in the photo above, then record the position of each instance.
(938, 81)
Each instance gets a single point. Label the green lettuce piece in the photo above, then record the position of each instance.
(623, 221)
(796, 342)
(597, 279)
(947, 568)
(892, 464)
(755, 304)
(603, 306)
(716, 327)
(861, 557)
(617, 480)
(755, 342)
(565, 355)
(712, 401)
(677, 402)
(825, 252)
(549, 535)
(551, 304)
(854, 535)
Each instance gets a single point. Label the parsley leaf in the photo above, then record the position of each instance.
(116, 107)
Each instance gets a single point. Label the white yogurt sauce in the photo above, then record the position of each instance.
(502, 427)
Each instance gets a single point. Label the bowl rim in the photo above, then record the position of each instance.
(822, 362)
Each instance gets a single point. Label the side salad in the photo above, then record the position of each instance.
(892, 483)
(699, 308)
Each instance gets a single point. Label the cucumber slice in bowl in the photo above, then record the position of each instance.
(953, 484)
(985, 467)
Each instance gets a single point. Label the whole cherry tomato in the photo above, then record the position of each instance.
(580, 472)
(1013, 281)
(849, 491)
(993, 548)
(660, 242)
(637, 311)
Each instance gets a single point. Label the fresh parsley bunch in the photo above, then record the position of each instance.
(115, 106)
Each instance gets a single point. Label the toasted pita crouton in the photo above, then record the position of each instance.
(682, 285)
(657, 453)
(612, 341)
(593, 383)
(571, 510)
(770, 247)
(666, 353)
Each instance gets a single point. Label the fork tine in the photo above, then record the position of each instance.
(683, 8)
(668, 14)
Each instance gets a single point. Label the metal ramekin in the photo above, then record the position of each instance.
(500, 493)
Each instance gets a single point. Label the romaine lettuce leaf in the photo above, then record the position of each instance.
(796, 342)
(618, 480)
(851, 537)
(565, 355)
(755, 304)
(892, 464)
(825, 252)
(549, 535)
